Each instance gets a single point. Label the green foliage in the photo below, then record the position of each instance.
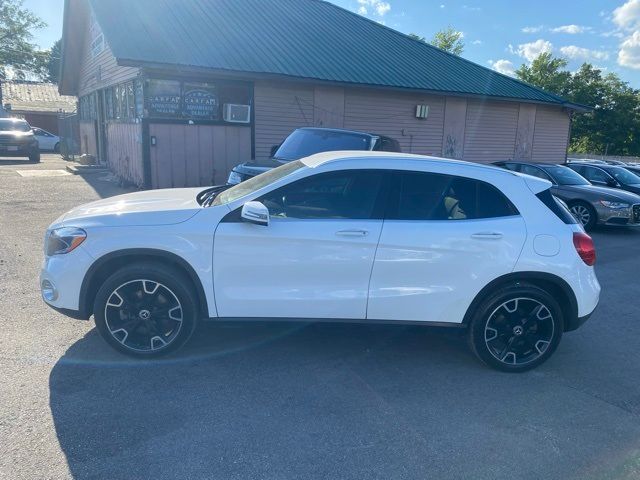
(613, 126)
(53, 62)
(449, 40)
(19, 57)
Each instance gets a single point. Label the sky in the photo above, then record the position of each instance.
(499, 34)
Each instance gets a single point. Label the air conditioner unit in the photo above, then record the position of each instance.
(234, 113)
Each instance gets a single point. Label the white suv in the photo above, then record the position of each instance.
(359, 236)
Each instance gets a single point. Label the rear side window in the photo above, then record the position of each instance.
(557, 207)
(432, 196)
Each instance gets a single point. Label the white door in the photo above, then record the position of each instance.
(444, 239)
(46, 140)
(314, 260)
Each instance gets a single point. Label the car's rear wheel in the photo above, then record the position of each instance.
(56, 148)
(517, 328)
(585, 214)
(146, 310)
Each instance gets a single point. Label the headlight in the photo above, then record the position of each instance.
(234, 178)
(63, 240)
(615, 205)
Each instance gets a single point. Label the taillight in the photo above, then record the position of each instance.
(585, 248)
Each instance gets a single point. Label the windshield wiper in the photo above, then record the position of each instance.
(206, 197)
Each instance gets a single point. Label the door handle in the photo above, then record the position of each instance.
(352, 233)
(487, 235)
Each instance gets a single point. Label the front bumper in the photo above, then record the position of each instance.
(628, 217)
(17, 149)
(61, 279)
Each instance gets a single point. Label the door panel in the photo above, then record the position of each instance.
(294, 268)
(432, 270)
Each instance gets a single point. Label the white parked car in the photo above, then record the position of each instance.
(357, 236)
(46, 141)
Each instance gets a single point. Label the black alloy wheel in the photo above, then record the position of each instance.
(146, 310)
(517, 329)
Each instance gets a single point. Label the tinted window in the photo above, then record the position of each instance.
(386, 144)
(304, 142)
(534, 171)
(347, 194)
(565, 176)
(596, 175)
(624, 176)
(430, 196)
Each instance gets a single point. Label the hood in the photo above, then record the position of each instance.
(606, 193)
(151, 207)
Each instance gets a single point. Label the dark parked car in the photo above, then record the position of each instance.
(307, 141)
(613, 176)
(590, 204)
(17, 139)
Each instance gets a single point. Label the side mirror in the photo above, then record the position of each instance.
(274, 149)
(255, 212)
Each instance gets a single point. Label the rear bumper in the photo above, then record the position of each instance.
(576, 323)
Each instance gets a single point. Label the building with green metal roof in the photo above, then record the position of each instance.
(176, 93)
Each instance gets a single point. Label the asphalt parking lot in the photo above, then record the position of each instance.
(289, 401)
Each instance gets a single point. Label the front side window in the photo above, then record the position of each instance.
(349, 194)
(624, 176)
(566, 176)
(596, 175)
(431, 196)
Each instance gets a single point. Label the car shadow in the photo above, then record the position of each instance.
(17, 161)
(244, 400)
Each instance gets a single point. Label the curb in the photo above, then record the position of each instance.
(82, 169)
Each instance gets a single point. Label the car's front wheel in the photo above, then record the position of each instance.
(517, 328)
(146, 310)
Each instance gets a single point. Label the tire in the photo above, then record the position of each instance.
(516, 328)
(56, 148)
(146, 310)
(585, 214)
(34, 157)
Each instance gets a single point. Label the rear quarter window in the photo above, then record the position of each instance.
(557, 207)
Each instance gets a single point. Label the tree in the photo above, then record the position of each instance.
(53, 61)
(415, 36)
(547, 73)
(449, 40)
(613, 126)
(19, 56)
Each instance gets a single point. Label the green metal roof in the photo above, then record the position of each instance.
(310, 39)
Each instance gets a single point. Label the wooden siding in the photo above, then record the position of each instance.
(490, 131)
(124, 151)
(328, 107)
(280, 109)
(455, 118)
(88, 141)
(195, 155)
(524, 136)
(102, 70)
(551, 135)
(394, 114)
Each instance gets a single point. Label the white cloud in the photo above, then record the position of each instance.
(532, 29)
(477, 42)
(503, 66)
(531, 50)
(442, 5)
(377, 7)
(629, 54)
(628, 15)
(571, 29)
(579, 53)
(612, 33)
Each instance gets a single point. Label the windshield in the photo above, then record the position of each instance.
(8, 124)
(302, 143)
(256, 183)
(624, 176)
(565, 176)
